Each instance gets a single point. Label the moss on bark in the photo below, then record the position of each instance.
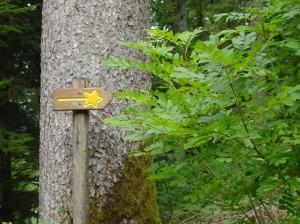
(132, 199)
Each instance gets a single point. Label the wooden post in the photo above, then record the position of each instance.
(80, 160)
(80, 99)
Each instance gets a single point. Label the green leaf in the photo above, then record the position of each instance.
(33, 220)
(107, 62)
(185, 36)
(292, 44)
(265, 188)
(227, 160)
(295, 88)
(217, 17)
(135, 137)
(281, 160)
(182, 72)
(218, 116)
(223, 154)
(136, 154)
(254, 135)
(193, 142)
(157, 145)
(179, 166)
(286, 100)
(248, 143)
(153, 167)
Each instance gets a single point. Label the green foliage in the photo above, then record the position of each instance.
(225, 129)
(19, 108)
(199, 13)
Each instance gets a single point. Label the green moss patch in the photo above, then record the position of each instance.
(132, 198)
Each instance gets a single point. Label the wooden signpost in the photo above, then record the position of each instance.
(80, 100)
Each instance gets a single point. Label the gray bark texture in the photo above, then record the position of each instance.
(180, 23)
(76, 34)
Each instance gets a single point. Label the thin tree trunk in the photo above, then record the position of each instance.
(76, 34)
(6, 190)
(180, 23)
(199, 13)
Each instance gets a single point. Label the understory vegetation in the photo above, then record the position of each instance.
(223, 119)
(19, 108)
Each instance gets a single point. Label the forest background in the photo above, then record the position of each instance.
(220, 120)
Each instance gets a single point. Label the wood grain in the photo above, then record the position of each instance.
(80, 162)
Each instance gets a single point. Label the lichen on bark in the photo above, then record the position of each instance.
(133, 197)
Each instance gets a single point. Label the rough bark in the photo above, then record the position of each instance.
(180, 23)
(76, 34)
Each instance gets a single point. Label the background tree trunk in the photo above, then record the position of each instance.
(180, 23)
(76, 34)
(6, 190)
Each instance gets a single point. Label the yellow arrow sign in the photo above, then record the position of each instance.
(89, 98)
(80, 99)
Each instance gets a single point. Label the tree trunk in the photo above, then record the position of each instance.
(180, 23)
(76, 34)
(199, 13)
(6, 190)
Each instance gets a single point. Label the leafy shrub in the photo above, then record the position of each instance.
(224, 123)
